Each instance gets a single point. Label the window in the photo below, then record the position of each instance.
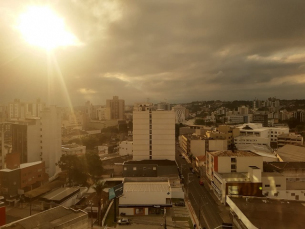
(267, 185)
(154, 168)
(134, 168)
(125, 168)
(278, 185)
(233, 166)
(233, 159)
(292, 194)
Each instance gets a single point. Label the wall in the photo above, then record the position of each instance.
(198, 147)
(242, 163)
(218, 145)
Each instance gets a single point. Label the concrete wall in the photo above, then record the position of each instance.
(242, 163)
(198, 147)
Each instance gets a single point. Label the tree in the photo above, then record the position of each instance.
(94, 165)
(98, 187)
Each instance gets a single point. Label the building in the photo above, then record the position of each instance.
(18, 110)
(264, 213)
(291, 153)
(57, 217)
(284, 180)
(39, 139)
(73, 149)
(225, 131)
(237, 184)
(243, 110)
(257, 129)
(198, 144)
(164, 106)
(153, 133)
(117, 107)
(180, 112)
(231, 162)
(290, 138)
(126, 148)
(136, 191)
(265, 151)
(21, 177)
(260, 118)
(251, 139)
(299, 115)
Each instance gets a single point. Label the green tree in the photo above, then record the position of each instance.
(94, 165)
(98, 187)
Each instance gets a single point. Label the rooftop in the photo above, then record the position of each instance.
(291, 153)
(52, 218)
(60, 194)
(154, 162)
(283, 166)
(146, 187)
(229, 153)
(280, 214)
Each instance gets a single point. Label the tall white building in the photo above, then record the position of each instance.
(153, 133)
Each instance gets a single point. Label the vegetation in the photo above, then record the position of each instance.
(81, 169)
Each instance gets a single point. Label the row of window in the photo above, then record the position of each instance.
(144, 168)
(268, 185)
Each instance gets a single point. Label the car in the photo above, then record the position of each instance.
(180, 203)
(123, 221)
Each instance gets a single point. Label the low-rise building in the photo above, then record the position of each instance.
(231, 162)
(239, 184)
(126, 148)
(290, 138)
(58, 217)
(73, 149)
(24, 178)
(135, 192)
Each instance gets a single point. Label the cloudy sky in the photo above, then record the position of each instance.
(175, 51)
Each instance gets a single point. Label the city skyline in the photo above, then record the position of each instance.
(178, 51)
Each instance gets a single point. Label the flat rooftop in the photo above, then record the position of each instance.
(60, 194)
(263, 213)
(237, 153)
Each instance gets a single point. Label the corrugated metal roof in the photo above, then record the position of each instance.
(146, 187)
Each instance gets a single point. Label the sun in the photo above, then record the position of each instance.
(40, 26)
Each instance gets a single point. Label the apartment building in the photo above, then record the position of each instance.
(180, 112)
(39, 139)
(18, 110)
(198, 144)
(117, 107)
(153, 133)
(224, 131)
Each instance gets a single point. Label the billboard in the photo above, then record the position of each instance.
(116, 191)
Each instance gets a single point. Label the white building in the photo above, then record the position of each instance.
(252, 139)
(257, 129)
(126, 148)
(153, 134)
(134, 200)
(231, 162)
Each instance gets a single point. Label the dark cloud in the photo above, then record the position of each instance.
(175, 50)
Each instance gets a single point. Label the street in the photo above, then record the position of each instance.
(207, 210)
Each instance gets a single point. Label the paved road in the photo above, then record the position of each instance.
(207, 210)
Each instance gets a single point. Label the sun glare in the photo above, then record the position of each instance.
(40, 26)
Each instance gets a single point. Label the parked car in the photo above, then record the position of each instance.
(180, 203)
(123, 221)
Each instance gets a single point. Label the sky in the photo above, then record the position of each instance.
(174, 51)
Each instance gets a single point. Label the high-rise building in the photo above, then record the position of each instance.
(153, 133)
(39, 139)
(117, 107)
(180, 113)
(18, 110)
